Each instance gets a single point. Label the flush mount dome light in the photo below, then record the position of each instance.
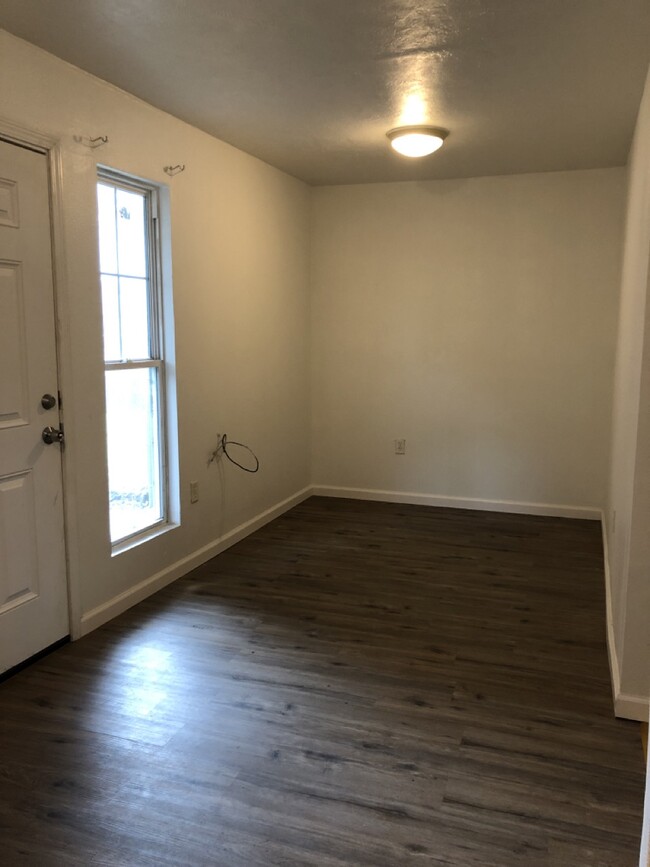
(417, 141)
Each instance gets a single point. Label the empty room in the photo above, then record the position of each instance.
(324, 433)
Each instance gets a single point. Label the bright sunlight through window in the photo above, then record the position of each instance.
(134, 368)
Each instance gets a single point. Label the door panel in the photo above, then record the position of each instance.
(18, 540)
(8, 203)
(13, 347)
(33, 589)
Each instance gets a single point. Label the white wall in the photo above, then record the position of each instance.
(475, 318)
(240, 271)
(628, 515)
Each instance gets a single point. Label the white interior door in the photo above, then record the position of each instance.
(33, 589)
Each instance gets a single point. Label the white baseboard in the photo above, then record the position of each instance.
(513, 506)
(631, 706)
(628, 706)
(614, 670)
(105, 612)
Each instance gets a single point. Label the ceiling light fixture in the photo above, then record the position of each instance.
(417, 141)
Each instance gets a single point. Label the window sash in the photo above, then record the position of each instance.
(152, 241)
(134, 365)
(160, 475)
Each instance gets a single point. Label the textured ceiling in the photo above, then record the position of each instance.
(312, 86)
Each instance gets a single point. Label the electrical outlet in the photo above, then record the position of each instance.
(194, 492)
(400, 447)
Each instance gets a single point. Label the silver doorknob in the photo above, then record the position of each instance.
(52, 435)
(48, 401)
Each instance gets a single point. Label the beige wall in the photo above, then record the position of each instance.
(628, 514)
(476, 319)
(240, 271)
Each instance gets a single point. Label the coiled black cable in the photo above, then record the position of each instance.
(225, 442)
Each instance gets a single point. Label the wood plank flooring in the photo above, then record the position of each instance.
(358, 684)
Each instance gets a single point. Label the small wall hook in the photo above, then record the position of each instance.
(96, 142)
(174, 170)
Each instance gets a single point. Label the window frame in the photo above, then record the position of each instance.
(156, 334)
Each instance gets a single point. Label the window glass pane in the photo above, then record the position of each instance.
(107, 229)
(131, 236)
(132, 413)
(111, 318)
(134, 316)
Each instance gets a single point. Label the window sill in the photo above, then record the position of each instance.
(141, 538)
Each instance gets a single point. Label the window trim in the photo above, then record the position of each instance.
(157, 344)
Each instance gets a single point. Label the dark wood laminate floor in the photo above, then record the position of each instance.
(355, 684)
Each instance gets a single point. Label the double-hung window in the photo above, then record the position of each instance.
(133, 356)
